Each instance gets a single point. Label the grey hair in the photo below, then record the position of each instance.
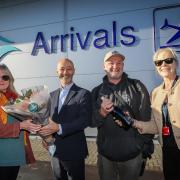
(164, 50)
(68, 60)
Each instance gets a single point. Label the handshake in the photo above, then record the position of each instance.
(119, 116)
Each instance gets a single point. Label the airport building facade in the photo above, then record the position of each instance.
(35, 34)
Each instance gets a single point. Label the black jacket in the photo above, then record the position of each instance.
(115, 142)
(74, 117)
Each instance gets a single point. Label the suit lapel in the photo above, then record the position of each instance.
(71, 93)
(55, 100)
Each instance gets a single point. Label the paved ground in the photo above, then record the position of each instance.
(42, 155)
(42, 170)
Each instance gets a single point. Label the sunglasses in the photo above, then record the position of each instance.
(5, 78)
(167, 61)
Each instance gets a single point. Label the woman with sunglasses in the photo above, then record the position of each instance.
(15, 147)
(165, 102)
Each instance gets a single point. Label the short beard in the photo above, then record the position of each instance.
(117, 77)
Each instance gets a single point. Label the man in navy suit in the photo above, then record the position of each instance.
(70, 114)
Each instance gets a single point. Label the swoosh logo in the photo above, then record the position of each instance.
(6, 49)
(5, 40)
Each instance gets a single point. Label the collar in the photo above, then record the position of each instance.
(67, 87)
(175, 83)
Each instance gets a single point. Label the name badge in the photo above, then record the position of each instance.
(165, 131)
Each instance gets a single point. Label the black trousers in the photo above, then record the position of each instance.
(9, 172)
(65, 170)
(171, 163)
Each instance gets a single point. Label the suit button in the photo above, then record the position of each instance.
(172, 92)
(170, 104)
(174, 122)
(178, 137)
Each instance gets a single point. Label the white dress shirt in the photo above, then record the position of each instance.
(62, 96)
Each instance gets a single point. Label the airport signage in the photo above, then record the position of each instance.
(101, 38)
(166, 27)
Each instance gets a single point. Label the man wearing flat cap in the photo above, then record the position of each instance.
(120, 147)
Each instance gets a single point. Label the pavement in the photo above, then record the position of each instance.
(41, 170)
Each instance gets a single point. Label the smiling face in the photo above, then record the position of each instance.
(166, 70)
(114, 68)
(4, 83)
(65, 71)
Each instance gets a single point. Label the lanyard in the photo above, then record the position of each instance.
(165, 113)
(174, 82)
(164, 105)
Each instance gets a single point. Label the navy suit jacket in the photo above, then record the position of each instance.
(74, 117)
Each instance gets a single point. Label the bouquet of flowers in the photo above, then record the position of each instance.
(33, 104)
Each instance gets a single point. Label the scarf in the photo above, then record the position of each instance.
(5, 98)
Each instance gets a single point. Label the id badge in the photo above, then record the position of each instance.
(165, 131)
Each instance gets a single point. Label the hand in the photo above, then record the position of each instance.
(29, 126)
(138, 125)
(49, 129)
(118, 122)
(106, 106)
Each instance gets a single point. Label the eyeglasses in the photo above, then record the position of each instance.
(167, 61)
(5, 77)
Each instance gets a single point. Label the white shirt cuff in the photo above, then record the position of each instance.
(60, 130)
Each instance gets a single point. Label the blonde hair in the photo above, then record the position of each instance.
(165, 50)
(6, 70)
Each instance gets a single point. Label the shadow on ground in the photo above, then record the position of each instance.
(42, 171)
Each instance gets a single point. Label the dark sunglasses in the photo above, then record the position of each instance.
(167, 61)
(5, 77)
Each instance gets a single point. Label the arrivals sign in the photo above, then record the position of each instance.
(166, 25)
(101, 38)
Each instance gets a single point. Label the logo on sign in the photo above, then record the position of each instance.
(167, 27)
(6, 49)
